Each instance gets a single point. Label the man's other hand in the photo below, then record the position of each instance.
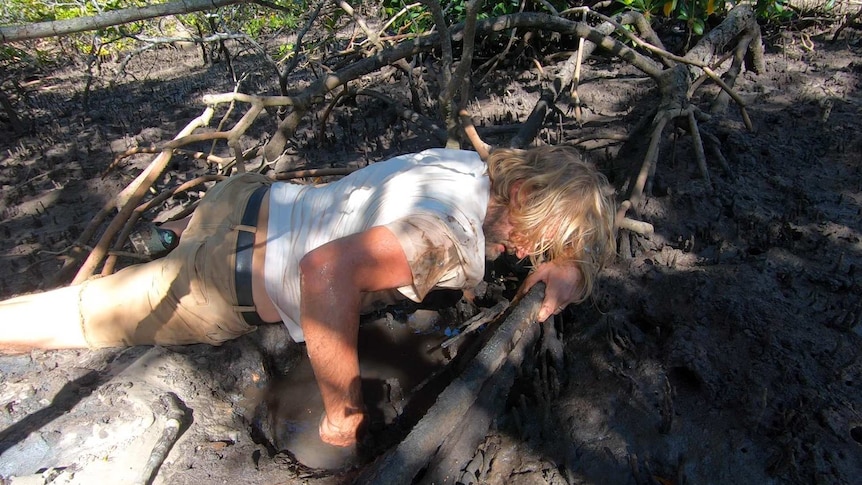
(563, 285)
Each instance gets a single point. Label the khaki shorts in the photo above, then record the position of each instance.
(186, 297)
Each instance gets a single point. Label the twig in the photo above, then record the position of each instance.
(477, 321)
(315, 172)
(649, 160)
(389, 22)
(640, 227)
(408, 114)
(328, 111)
(850, 20)
(227, 114)
(623, 222)
(719, 104)
(492, 62)
(698, 146)
(284, 73)
(576, 81)
(175, 421)
(156, 149)
(482, 148)
(373, 37)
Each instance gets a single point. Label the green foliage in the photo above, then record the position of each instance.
(648, 8)
(776, 10)
(250, 19)
(27, 11)
(284, 50)
(418, 19)
(696, 13)
(105, 41)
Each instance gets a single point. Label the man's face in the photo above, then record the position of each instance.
(499, 234)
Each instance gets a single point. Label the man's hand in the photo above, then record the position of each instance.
(563, 285)
(344, 434)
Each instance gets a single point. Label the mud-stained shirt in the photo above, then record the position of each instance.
(434, 202)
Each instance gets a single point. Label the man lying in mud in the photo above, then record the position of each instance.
(257, 252)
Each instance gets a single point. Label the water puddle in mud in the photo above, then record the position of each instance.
(398, 366)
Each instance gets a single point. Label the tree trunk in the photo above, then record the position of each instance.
(675, 82)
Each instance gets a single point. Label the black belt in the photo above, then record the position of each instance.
(244, 252)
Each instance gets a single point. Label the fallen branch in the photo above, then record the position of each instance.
(128, 199)
(175, 421)
(477, 321)
(518, 331)
(460, 447)
(207, 157)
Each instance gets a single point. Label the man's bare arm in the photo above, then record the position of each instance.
(333, 277)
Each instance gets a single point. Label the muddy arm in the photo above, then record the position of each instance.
(333, 277)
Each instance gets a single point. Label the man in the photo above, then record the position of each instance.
(255, 252)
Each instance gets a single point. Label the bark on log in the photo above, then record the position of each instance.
(455, 454)
(12, 33)
(402, 464)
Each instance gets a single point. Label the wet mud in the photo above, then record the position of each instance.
(722, 348)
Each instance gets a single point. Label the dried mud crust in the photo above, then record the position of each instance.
(723, 348)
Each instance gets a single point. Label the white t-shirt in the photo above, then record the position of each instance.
(434, 202)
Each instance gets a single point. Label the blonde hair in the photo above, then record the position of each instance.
(563, 208)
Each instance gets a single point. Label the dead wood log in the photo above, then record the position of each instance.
(458, 450)
(473, 324)
(401, 465)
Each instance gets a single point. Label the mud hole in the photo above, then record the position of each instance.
(722, 349)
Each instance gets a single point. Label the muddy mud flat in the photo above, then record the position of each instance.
(724, 348)
(113, 411)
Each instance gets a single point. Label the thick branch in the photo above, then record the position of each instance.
(403, 463)
(39, 30)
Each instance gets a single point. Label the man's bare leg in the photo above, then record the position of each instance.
(49, 320)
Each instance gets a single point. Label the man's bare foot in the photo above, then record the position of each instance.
(343, 433)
